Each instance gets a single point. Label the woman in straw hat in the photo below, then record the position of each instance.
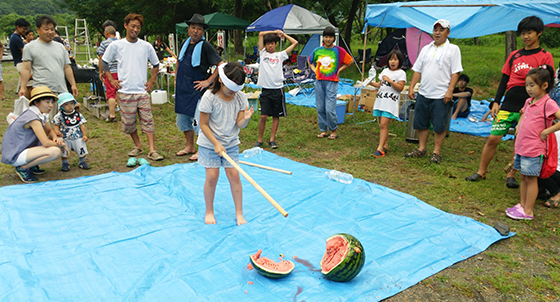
(30, 141)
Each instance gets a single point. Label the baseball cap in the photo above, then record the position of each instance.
(444, 23)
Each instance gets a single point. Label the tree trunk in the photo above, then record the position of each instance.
(476, 41)
(511, 43)
(237, 34)
(349, 23)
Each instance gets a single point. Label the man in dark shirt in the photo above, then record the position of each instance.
(462, 97)
(195, 57)
(16, 46)
(160, 48)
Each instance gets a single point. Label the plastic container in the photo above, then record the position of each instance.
(159, 96)
(340, 111)
(252, 152)
(344, 178)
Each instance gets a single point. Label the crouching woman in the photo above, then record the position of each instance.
(30, 141)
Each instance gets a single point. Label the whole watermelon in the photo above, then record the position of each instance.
(344, 258)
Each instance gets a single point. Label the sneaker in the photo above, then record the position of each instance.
(436, 158)
(514, 208)
(512, 183)
(65, 167)
(36, 170)
(518, 214)
(416, 153)
(135, 152)
(273, 145)
(83, 166)
(475, 177)
(385, 150)
(154, 156)
(378, 154)
(25, 175)
(258, 145)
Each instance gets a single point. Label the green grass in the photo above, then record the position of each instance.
(525, 267)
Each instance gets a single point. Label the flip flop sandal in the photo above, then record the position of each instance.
(131, 163)
(143, 161)
(333, 136)
(183, 153)
(322, 135)
(552, 203)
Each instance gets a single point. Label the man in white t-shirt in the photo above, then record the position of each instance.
(439, 66)
(271, 79)
(132, 55)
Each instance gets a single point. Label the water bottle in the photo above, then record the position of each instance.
(252, 152)
(372, 72)
(344, 178)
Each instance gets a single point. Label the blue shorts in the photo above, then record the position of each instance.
(386, 114)
(210, 159)
(431, 110)
(528, 166)
(188, 123)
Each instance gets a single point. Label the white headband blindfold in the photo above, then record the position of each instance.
(231, 85)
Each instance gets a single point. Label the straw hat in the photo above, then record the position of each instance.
(40, 92)
(198, 19)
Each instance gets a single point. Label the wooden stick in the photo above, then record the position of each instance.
(263, 192)
(265, 167)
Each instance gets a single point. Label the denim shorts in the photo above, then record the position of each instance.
(528, 166)
(188, 123)
(431, 110)
(210, 159)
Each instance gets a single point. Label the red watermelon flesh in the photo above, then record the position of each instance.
(269, 268)
(337, 249)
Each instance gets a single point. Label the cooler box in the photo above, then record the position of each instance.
(159, 96)
(340, 111)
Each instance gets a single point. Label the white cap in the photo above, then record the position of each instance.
(444, 23)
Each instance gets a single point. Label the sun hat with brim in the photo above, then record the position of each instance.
(64, 98)
(198, 19)
(41, 92)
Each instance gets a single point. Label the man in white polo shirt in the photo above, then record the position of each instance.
(439, 66)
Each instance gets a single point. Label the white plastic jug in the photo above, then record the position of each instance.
(159, 96)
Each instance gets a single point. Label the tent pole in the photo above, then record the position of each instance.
(364, 55)
(245, 48)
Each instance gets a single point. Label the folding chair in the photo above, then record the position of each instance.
(360, 56)
(302, 77)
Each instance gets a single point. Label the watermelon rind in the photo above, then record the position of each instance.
(351, 265)
(268, 273)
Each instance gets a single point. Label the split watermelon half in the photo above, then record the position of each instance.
(269, 268)
(344, 258)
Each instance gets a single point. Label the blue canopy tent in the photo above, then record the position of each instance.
(469, 18)
(291, 19)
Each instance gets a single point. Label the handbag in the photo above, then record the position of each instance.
(550, 160)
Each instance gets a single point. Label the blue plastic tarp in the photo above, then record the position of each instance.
(468, 18)
(140, 236)
(472, 125)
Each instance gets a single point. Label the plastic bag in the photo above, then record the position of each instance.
(20, 105)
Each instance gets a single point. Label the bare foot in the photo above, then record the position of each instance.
(209, 218)
(240, 220)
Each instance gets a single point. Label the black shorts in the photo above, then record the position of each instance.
(273, 102)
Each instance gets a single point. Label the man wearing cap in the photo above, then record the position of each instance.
(195, 57)
(439, 66)
(132, 56)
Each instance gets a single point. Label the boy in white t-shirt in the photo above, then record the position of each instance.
(271, 79)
